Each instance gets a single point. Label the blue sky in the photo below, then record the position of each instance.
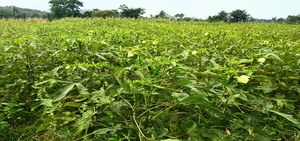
(265, 9)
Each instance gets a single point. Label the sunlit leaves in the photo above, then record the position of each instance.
(112, 130)
(84, 122)
(98, 79)
(180, 96)
(288, 117)
(63, 92)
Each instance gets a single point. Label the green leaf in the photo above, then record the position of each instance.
(183, 81)
(45, 124)
(51, 81)
(267, 88)
(62, 93)
(84, 122)
(100, 56)
(288, 117)
(184, 54)
(279, 103)
(195, 99)
(265, 137)
(268, 105)
(82, 68)
(71, 104)
(54, 72)
(180, 96)
(194, 89)
(3, 123)
(246, 61)
(275, 56)
(162, 132)
(44, 102)
(216, 65)
(242, 96)
(140, 74)
(112, 130)
(82, 90)
(171, 140)
(193, 131)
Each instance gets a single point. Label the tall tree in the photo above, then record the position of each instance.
(293, 19)
(65, 8)
(131, 12)
(14, 11)
(179, 16)
(5, 13)
(239, 16)
(162, 14)
(221, 16)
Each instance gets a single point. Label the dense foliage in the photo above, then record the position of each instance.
(105, 14)
(124, 79)
(65, 8)
(293, 19)
(222, 16)
(20, 13)
(127, 12)
(238, 16)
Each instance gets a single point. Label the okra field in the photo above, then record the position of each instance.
(148, 79)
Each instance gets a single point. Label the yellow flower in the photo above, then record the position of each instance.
(243, 79)
(195, 52)
(130, 54)
(265, 42)
(91, 32)
(261, 60)
(227, 132)
(104, 43)
(206, 34)
(155, 42)
(144, 42)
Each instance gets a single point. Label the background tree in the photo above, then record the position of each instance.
(162, 14)
(239, 16)
(293, 19)
(74, 8)
(179, 16)
(5, 13)
(252, 19)
(131, 12)
(281, 20)
(221, 16)
(17, 12)
(187, 19)
(86, 13)
(14, 11)
(105, 13)
(65, 8)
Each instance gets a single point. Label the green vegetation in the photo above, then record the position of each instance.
(20, 13)
(72, 8)
(127, 12)
(136, 79)
(105, 14)
(65, 8)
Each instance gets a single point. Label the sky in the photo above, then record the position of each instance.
(262, 9)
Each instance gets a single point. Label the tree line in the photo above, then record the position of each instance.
(242, 16)
(72, 8)
(21, 13)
